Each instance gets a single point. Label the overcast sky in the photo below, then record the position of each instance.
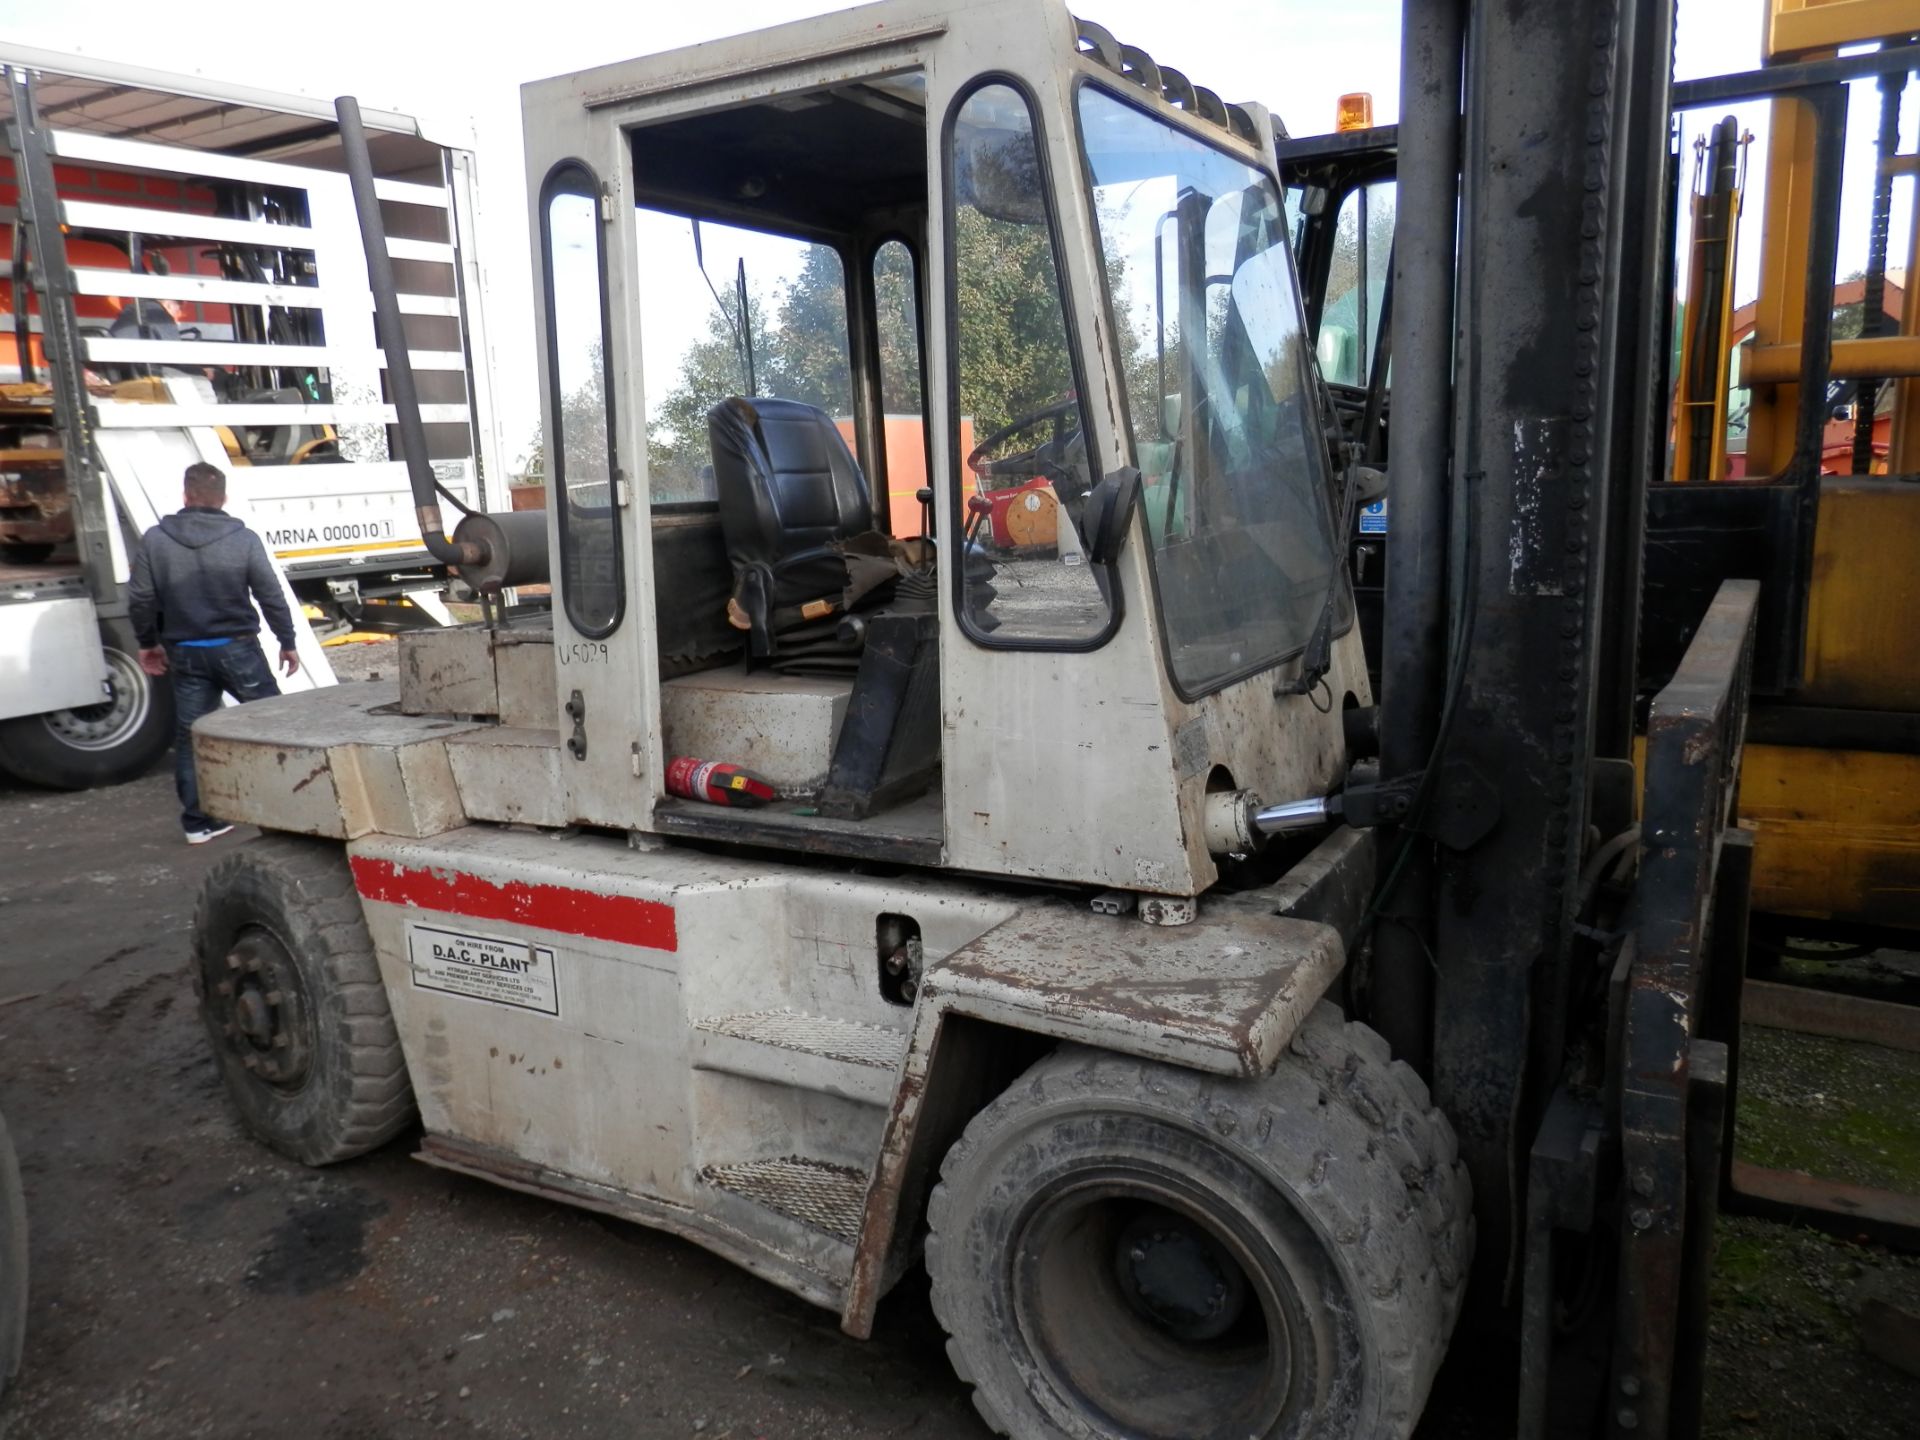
(463, 63)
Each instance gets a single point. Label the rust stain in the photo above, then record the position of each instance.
(318, 770)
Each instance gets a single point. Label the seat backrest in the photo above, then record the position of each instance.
(785, 479)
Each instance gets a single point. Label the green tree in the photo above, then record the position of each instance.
(799, 353)
(806, 352)
(1013, 343)
(1014, 357)
(713, 368)
(897, 310)
(583, 424)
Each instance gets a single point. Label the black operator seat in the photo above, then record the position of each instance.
(787, 483)
(821, 592)
(794, 509)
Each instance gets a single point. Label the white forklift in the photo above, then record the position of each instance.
(1032, 963)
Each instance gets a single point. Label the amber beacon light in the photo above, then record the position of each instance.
(1354, 111)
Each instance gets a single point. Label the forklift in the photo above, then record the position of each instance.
(845, 900)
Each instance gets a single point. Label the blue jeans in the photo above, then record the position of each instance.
(201, 674)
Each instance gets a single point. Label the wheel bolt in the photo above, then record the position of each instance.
(1139, 1253)
(281, 1042)
(233, 961)
(274, 997)
(224, 988)
(252, 1062)
(255, 964)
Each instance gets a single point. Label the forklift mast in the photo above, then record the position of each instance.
(1529, 425)
(1527, 487)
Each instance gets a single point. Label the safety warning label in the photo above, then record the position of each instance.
(506, 972)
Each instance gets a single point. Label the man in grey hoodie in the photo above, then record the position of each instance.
(193, 617)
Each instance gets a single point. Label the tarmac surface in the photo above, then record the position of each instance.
(187, 1284)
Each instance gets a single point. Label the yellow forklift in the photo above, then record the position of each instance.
(1785, 423)
(1819, 454)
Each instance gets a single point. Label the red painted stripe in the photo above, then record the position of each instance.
(621, 919)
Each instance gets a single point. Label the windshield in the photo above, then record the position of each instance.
(1207, 320)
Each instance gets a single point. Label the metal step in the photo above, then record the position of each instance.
(823, 1197)
(847, 1058)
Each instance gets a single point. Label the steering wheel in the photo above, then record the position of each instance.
(1026, 464)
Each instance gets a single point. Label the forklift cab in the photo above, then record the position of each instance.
(996, 254)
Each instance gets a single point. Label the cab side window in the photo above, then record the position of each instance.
(580, 399)
(1357, 284)
(1020, 439)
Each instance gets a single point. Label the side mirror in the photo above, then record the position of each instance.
(1109, 514)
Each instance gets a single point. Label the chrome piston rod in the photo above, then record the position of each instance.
(1293, 815)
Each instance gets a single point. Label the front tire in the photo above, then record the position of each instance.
(106, 744)
(1122, 1250)
(294, 1004)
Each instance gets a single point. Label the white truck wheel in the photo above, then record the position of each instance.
(106, 744)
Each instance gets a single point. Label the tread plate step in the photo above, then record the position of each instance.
(843, 1058)
(827, 1198)
(850, 1041)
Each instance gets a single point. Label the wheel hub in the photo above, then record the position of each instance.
(255, 1017)
(261, 1011)
(1175, 1275)
(121, 711)
(1151, 1302)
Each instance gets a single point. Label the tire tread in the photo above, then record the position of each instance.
(375, 1102)
(1350, 1131)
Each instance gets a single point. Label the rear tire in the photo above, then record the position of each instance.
(13, 1262)
(1120, 1248)
(105, 744)
(293, 1002)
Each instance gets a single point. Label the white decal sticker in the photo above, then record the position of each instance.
(505, 972)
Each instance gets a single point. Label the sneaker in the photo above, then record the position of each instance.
(213, 832)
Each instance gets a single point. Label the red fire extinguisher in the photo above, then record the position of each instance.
(718, 782)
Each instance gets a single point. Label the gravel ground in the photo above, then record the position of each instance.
(188, 1285)
(1830, 1107)
(360, 659)
(1784, 1359)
